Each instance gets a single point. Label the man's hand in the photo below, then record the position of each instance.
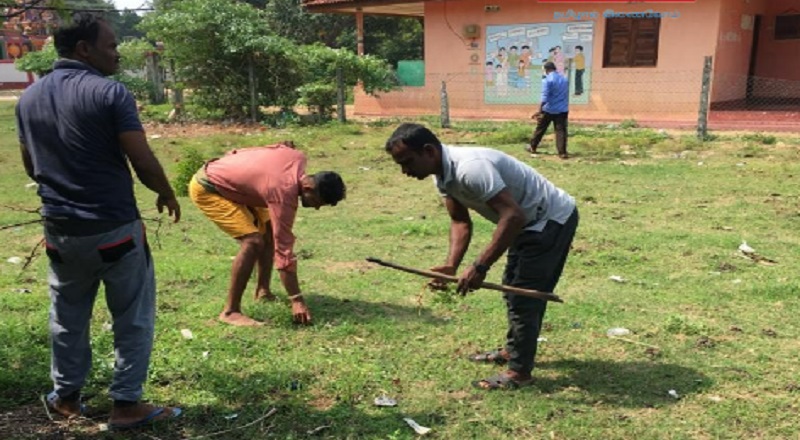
(470, 280)
(300, 312)
(172, 205)
(441, 284)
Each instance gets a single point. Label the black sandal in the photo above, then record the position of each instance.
(489, 357)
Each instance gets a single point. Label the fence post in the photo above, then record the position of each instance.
(177, 93)
(340, 95)
(445, 107)
(702, 117)
(252, 78)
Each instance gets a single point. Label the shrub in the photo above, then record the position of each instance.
(190, 162)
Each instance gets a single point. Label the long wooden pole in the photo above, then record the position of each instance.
(547, 296)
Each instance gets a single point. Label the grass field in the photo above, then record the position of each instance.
(664, 212)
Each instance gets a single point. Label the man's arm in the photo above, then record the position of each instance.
(149, 170)
(460, 231)
(511, 221)
(26, 161)
(545, 94)
(282, 216)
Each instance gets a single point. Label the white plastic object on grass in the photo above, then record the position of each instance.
(14, 260)
(674, 394)
(421, 430)
(745, 248)
(618, 331)
(187, 334)
(384, 400)
(617, 278)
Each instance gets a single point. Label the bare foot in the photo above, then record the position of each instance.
(265, 295)
(140, 414)
(238, 319)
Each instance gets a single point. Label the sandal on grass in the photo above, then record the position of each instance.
(156, 415)
(66, 409)
(500, 382)
(489, 357)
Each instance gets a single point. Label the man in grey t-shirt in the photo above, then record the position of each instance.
(536, 222)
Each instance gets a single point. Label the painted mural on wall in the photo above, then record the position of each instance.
(515, 55)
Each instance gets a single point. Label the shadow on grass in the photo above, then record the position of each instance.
(331, 310)
(643, 384)
(242, 409)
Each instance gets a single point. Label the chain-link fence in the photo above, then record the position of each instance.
(658, 96)
(755, 93)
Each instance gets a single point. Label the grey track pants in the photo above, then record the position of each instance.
(121, 260)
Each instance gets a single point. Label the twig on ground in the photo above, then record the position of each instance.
(265, 416)
(636, 342)
(29, 222)
(29, 259)
(159, 221)
(46, 408)
(28, 210)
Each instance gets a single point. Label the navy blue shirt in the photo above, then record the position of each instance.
(69, 122)
(555, 93)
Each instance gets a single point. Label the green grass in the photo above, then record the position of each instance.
(660, 209)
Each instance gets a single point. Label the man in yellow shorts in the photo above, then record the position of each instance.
(252, 195)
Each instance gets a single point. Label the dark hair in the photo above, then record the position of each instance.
(526, 47)
(549, 65)
(84, 27)
(414, 136)
(579, 47)
(513, 47)
(330, 187)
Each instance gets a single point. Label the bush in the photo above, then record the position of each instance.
(140, 87)
(320, 98)
(190, 162)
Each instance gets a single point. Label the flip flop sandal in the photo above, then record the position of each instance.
(51, 400)
(150, 419)
(500, 382)
(489, 357)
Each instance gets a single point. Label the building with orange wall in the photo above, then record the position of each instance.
(641, 60)
(24, 30)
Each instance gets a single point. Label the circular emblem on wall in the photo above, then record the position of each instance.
(474, 58)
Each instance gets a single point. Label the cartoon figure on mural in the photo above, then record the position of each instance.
(489, 73)
(501, 81)
(515, 55)
(579, 63)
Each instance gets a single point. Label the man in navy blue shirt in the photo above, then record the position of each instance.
(78, 131)
(554, 108)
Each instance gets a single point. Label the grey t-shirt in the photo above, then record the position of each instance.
(473, 175)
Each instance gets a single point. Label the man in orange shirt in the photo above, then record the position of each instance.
(252, 195)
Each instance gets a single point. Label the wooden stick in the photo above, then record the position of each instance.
(547, 296)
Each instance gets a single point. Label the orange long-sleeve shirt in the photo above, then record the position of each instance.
(269, 177)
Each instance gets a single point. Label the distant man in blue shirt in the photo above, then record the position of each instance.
(78, 132)
(554, 108)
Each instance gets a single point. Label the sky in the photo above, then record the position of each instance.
(130, 4)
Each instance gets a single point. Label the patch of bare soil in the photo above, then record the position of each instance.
(349, 266)
(190, 130)
(32, 422)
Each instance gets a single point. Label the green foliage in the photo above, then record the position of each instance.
(323, 64)
(628, 123)
(191, 160)
(766, 139)
(140, 87)
(39, 62)
(318, 97)
(134, 53)
(214, 43)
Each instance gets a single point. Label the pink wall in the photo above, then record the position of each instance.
(668, 91)
(778, 58)
(735, 41)
(777, 61)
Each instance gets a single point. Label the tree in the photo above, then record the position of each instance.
(215, 44)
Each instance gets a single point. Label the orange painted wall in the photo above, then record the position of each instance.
(668, 91)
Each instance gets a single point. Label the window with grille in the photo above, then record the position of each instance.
(787, 27)
(631, 42)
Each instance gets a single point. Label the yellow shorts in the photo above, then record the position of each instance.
(234, 219)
